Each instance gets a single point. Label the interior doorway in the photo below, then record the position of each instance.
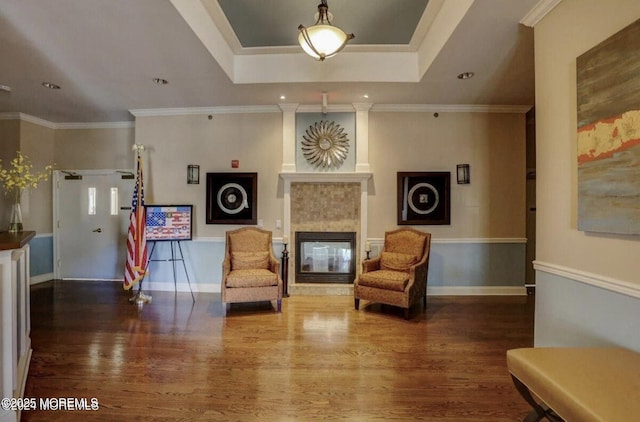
(530, 276)
(91, 218)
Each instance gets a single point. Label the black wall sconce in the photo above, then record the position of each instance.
(193, 174)
(464, 174)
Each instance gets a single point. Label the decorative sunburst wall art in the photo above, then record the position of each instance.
(325, 144)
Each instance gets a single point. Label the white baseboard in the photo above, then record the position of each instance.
(169, 286)
(476, 291)
(431, 291)
(41, 278)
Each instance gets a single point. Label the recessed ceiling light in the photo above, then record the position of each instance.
(366, 95)
(465, 75)
(282, 97)
(5, 88)
(160, 81)
(50, 85)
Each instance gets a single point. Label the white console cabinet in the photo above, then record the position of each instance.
(15, 318)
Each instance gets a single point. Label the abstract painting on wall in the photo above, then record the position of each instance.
(608, 98)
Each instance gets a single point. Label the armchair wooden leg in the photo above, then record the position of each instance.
(279, 305)
(406, 314)
(424, 302)
(356, 303)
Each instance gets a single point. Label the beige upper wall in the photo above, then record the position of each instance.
(492, 206)
(80, 149)
(9, 144)
(36, 142)
(9, 139)
(572, 27)
(174, 142)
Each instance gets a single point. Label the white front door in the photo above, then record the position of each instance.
(92, 219)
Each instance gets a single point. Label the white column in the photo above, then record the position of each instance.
(288, 137)
(6, 329)
(362, 136)
(286, 226)
(364, 193)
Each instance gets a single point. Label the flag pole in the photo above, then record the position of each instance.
(137, 259)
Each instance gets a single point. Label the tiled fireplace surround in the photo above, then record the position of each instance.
(325, 201)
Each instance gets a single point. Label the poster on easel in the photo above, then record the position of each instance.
(169, 222)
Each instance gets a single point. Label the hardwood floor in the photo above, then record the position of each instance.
(317, 360)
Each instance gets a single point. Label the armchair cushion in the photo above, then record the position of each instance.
(249, 260)
(251, 278)
(405, 241)
(396, 261)
(385, 279)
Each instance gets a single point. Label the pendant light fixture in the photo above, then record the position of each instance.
(322, 40)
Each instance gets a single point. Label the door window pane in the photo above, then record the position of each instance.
(114, 201)
(92, 201)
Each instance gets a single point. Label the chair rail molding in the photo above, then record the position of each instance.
(603, 282)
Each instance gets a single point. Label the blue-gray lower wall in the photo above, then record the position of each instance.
(41, 255)
(473, 266)
(483, 264)
(574, 309)
(455, 267)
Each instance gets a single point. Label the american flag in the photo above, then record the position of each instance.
(136, 267)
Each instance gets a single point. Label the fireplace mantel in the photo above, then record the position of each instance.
(325, 177)
(308, 178)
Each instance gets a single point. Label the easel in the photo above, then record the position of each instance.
(173, 261)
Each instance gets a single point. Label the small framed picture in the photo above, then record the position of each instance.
(424, 198)
(232, 198)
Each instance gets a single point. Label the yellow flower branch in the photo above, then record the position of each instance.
(21, 176)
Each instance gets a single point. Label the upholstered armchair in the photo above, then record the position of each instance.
(250, 271)
(399, 275)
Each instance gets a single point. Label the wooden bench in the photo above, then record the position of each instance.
(578, 384)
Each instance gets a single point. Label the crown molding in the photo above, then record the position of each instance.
(95, 125)
(538, 12)
(190, 111)
(250, 109)
(335, 108)
(70, 125)
(9, 116)
(451, 108)
(27, 118)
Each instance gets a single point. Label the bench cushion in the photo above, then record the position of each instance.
(581, 384)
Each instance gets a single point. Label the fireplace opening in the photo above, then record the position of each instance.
(325, 257)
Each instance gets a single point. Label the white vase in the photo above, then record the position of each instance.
(15, 221)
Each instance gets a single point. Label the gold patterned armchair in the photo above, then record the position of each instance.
(399, 275)
(250, 271)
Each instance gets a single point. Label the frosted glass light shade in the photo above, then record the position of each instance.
(322, 41)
